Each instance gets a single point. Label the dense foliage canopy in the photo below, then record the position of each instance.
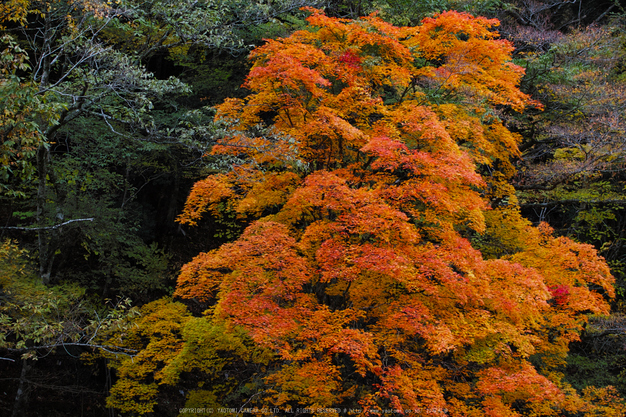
(358, 150)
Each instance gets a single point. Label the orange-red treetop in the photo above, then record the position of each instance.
(358, 274)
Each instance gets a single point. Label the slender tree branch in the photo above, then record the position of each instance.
(56, 226)
(607, 332)
(118, 350)
(604, 14)
(574, 201)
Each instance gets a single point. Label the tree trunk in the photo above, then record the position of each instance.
(173, 209)
(43, 163)
(22, 394)
(43, 239)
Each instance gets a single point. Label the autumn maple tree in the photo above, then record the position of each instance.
(386, 265)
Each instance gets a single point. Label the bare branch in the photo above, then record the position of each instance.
(574, 201)
(56, 226)
(117, 350)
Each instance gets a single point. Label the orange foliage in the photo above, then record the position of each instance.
(475, 63)
(361, 278)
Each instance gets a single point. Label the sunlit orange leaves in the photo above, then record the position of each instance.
(204, 196)
(358, 272)
(476, 65)
(504, 386)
